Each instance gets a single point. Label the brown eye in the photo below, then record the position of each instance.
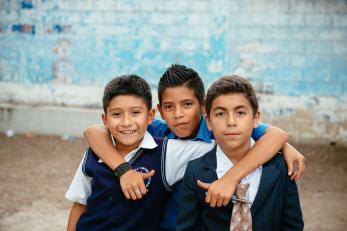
(168, 107)
(219, 114)
(188, 105)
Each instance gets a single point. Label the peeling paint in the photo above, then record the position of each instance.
(24, 28)
(297, 66)
(26, 4)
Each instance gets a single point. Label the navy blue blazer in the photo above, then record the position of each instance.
(275, 207)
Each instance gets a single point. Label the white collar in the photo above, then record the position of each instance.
(223, 157)
(147, 142)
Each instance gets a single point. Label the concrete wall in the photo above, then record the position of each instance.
(61, 53)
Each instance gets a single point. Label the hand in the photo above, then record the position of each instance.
(132, 184)
(218, 192)
(293, 158)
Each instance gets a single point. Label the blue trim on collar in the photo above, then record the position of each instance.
(203, 133)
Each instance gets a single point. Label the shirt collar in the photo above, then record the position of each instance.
(203, 133)
(147, 142)
(223, 157)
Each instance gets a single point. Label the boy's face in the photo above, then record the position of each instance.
(181, 110)
(127, 119)
(232, 121)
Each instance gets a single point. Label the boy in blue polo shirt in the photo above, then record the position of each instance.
(181, 104)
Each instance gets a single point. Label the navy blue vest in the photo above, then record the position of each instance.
(108, 209)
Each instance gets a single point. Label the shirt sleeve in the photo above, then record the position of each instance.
(80, 187)
(179, 153)
(158, 128)
(259, 131)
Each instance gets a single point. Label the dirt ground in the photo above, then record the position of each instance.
(35, 172)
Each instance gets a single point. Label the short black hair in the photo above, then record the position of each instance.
(127, 85)
(179, 75)
(229, 85)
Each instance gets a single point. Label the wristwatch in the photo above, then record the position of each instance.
(121, 169)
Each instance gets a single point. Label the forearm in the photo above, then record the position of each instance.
(99, 140)
(76, 211)
(262, 151)
(288, 148)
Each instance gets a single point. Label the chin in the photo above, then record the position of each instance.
(182, 135)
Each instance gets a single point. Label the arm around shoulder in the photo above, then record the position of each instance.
(99, 139)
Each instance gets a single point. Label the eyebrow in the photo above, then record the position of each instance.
(223, 108)
(135, 107)
(184, 100)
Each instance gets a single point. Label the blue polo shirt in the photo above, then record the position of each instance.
(159, 128)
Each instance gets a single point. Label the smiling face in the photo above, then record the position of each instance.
(127, 118)
(232, 120)
(181, 110)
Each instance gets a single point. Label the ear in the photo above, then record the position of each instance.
(208, 122)
(151, 115)
(104, 119)
(160, 109)
(203, 108)
(256, 119)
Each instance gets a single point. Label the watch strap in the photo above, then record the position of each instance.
(121, 169)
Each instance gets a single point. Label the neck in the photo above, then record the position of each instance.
(235, 155)
(125, 149)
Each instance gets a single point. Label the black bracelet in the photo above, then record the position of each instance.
(121, 169)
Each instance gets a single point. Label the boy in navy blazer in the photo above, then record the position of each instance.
(232, 113)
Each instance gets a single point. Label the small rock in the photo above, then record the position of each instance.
(68, 137)
(9, 133)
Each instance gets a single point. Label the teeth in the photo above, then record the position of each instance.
(127, 132)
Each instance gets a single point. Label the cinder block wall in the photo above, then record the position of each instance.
(61, 53)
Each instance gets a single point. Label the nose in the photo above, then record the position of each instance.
(232, 121)
(127, 120)
(178, 112)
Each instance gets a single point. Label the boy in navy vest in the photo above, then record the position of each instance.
(232, 113)
(98, 201)
(181, 104)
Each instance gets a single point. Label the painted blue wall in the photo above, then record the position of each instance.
(284, 47)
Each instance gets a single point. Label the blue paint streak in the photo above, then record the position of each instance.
(26, 4)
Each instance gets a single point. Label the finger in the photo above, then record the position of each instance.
(142, 188)
(147, 174)
(220, 202)
(294, 175)
(132, 194)
(137, 192)
(226, 201)
(126, 194)
(208, 197)
(301, 168)
(203, 185)
(290, 168)
(213, 201)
